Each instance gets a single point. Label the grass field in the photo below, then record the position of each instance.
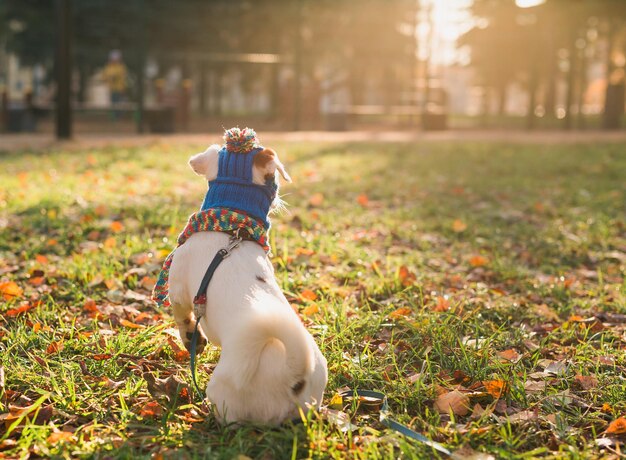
(480, 286)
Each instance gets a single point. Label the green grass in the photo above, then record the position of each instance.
(459, 252)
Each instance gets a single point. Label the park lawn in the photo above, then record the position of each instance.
(486, 275)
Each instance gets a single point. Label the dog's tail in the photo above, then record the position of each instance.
(272, 344)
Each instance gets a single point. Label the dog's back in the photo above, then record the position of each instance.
(270, 365)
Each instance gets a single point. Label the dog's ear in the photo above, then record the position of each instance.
(206, 163)
(266, 163)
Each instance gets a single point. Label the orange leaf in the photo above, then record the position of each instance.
(307, 294)
(304, 252)
(116, 226)
(36, 281)
(459, 226)
(19, 310)
(617, 426)
(509, 355)
(130, 324)
(407, 278)
(60, 436)
(101, 356)
(454, 401)
(400, 313)
(586, 382)
(478, 261)
(36, 327)
(52, 242)
(54, 347)
(442, 304)
(41, 259)
(148, 282)
(10, 289)
(310, 310)
(316, 200)
(180, 354)
(495, 388)
(363, 200)
(109, 242)
(151, 410)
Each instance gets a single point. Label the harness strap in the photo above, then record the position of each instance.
(385, 420)
(199, 301)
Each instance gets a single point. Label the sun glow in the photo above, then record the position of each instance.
(528, 3)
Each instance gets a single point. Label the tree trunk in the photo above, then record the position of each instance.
(613, 99)
(571, 80)
(502, 98)
(582, 89)
(202, 83)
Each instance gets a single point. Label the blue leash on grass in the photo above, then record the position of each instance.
(199, 306)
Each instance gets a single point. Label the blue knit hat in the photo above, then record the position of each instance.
(233, 187)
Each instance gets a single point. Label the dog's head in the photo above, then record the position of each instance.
(266, 165)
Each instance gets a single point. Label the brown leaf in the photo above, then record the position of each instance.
(407, 278)
(102, 356)
(510, 355)
(617, 426)
(586, 382)
(172, 388)
(59, 436)
(54, 347)
(151, 409)
(454, 401)
(181, 355)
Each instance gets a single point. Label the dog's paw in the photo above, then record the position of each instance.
(188, 336)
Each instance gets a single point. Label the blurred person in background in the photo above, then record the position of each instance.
(115, 77)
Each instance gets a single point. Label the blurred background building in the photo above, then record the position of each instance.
(198, 65)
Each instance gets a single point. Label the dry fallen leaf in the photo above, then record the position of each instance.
(454, 401)
(10, 290)
(363, 200)
(310, 310)
(459, 226)
(586, 382)
(19, 310)
(54, 348)
(316, 200)
(130, 324)
(617, 426)
(116, 226)
(510, 355)
(407, 278)
(401, 312)
(181, 355)
(60, 436)
(495, 388)
(151, 409)
(307, 294)
(478, 261)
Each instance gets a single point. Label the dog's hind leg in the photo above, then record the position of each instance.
(186, 321)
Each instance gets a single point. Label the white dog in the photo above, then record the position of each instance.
(270, 366)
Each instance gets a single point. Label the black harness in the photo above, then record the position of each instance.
(199, 301)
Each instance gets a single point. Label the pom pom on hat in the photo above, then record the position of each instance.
(241, 140)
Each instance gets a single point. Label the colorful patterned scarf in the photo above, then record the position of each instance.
(210, 220)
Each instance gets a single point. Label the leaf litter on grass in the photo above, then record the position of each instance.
(478, 299)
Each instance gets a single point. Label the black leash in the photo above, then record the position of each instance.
(199, 301)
